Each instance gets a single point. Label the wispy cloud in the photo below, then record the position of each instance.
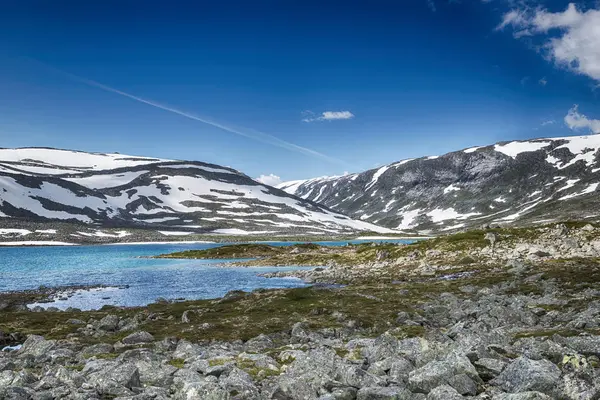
(524, 80)
(271, 179)
(575, 120)
(431, 5)
(576, 44)
(310, 116)
(543, 81)
(245, 132)
(549, 122)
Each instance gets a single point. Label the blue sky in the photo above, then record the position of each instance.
(295, 89)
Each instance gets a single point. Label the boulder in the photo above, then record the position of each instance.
(489, 368)
(138, 337)
(36, 346)
(444, 392)
(384, 393)
(521, 396)
(109, 323)
(524, 375)
(383, 347)
(437, 373)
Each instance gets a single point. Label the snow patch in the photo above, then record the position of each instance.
(513, 149)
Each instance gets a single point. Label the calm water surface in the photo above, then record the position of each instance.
(118, 265)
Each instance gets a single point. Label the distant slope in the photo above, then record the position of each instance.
(40, 184)
(515, 182)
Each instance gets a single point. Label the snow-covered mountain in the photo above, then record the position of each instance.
(41, 184)
(516, 182)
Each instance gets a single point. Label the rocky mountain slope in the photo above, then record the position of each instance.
(176, 197)
(518, 182)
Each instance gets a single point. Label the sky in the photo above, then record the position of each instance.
(288, 90)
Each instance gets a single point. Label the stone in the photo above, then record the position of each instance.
(463, 385)
(489, 368)
(259, 343)
(116, 379)
(491, 237)
(36, 346)
(95, 349)
(444, 392)
(399, 370)
(109, 323)
(138, 337)
(384, 393)
(384, 346)
(241, 383)
(437, 373)
(586, 345)
(524, 375)
(521, 396)
(185, 317)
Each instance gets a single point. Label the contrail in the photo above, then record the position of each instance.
(249, 133)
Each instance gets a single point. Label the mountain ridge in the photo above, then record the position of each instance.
(509, 182)
(112, 189)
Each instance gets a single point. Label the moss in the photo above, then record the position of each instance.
(105, 356)
(547, 333)
(219, 361)
(408, 331)
(177, 362)
(342, 352)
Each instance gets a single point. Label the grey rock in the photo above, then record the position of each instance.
(463, 384)
(259, 343)
(437, 373)
(109, 323)
(384, 346)
(384, 393)
(586, 345)
(524, 375)
(116, 379)
(444, 392)
(400, 369)
(138, 337)
(521, 396)
(36, 346)
(241, 383)
(489, 368)
(95, 349)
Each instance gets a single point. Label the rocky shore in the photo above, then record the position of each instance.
(517, 320)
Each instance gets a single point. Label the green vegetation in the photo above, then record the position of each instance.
(371, 301)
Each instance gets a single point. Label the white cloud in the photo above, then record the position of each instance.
(309, 116)
(576, 120)
(270, 179)
(549, 122)
(524, 80)
(576, 46)
(431, 5)
(543, 81)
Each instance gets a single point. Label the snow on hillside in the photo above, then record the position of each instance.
(49, 184)
(516, 181)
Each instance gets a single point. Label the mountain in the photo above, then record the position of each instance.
(517, 182)
(177, 197)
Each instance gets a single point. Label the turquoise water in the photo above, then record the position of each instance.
(124, 265)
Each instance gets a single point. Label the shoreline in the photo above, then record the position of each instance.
(50, 243)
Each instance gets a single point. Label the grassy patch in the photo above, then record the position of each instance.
(177, 362)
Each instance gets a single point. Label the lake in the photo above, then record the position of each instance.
(123, 265)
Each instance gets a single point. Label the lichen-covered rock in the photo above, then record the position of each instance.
(384, 393)
(437, 373)
(138, 337)
(444, 392)
(109, 323)
(524, 375)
